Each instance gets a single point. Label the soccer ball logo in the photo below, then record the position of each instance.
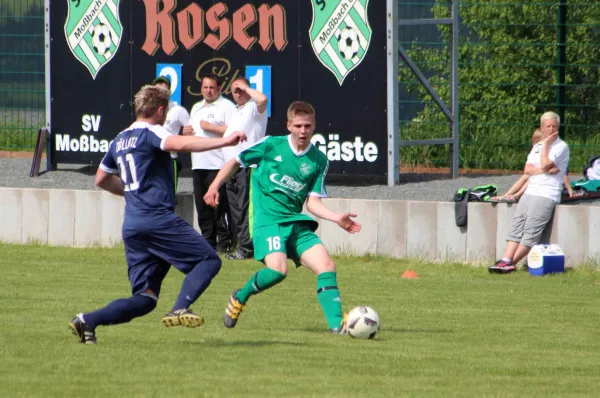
(101, 39)
(348, 43)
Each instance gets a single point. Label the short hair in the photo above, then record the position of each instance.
(241, 78)
(162, 80)
(300, 108)
(211, 76)
(149, 99)
(537, 136)
(549, 115)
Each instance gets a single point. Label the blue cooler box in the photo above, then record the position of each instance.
(545, 259)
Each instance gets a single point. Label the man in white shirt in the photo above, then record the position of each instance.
(535, 210)
(209, 118)
(177, 117)
(251, 118)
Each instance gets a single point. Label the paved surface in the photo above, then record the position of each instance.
(15, 173)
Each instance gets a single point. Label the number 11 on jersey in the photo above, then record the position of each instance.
(134, 184)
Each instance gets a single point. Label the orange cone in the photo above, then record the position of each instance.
(409, 275)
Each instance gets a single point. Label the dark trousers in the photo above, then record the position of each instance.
(212, 222)
(238, 190)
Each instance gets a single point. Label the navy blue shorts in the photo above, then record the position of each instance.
(151, 253)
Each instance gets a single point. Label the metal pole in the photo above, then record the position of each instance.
(561, 60)
(49, 147)
(393, 124)
(454, 89)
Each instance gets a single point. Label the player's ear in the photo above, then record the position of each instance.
(289, 126)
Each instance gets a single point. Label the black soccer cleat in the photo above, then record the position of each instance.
(183, 317)
(233, 310)
(79, 328)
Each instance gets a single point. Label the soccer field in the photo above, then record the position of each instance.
(455, 331)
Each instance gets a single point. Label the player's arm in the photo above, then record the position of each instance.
(109, 182)
(213, 128)
(315, 205)
(517, 186)
(177, 143)
(567, 183)
(249, 157)
(545, 163)
(105, 176)
(531, 170)
(258, 97)
(212, 194)
(184, 117)
(521, 191)
(188, 129)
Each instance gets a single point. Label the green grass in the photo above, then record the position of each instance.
(456, 331)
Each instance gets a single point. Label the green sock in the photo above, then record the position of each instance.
(329, 298)
(262, 280)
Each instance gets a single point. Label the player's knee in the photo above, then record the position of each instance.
(144, 304)
(213, 265)
(279, 266)
(150, 306)
(328, 266)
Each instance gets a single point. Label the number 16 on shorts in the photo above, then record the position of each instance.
(259, 77)
(274, 243)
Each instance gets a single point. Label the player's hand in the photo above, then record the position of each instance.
(239, 85)
(188, 130)
(212, 197)
(554, 170)
(550, 139)
(347, 223)
(235, 138)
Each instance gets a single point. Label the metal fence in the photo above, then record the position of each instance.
(517, 59)
(22, 101)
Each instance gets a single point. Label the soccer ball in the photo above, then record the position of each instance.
(362, 323)
(348, 43)
(101, 39)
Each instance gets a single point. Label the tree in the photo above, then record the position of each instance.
(507, 74)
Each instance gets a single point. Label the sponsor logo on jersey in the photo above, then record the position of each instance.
(287, 182)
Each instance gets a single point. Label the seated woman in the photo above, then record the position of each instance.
(516, 191)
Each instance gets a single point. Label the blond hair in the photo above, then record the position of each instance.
(300, 108)
(149, 99)
(537, 136)
(549, 115)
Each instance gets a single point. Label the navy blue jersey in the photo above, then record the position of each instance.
(146, 173)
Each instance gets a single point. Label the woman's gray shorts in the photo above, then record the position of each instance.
(532, 222)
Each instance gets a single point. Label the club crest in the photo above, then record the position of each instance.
(305, 169)
(340, 34)
(93, 32)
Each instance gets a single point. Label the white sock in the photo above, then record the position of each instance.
(506, 260)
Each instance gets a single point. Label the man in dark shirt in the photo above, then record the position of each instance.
(154, 237)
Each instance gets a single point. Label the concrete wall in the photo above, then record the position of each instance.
(395, 228)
